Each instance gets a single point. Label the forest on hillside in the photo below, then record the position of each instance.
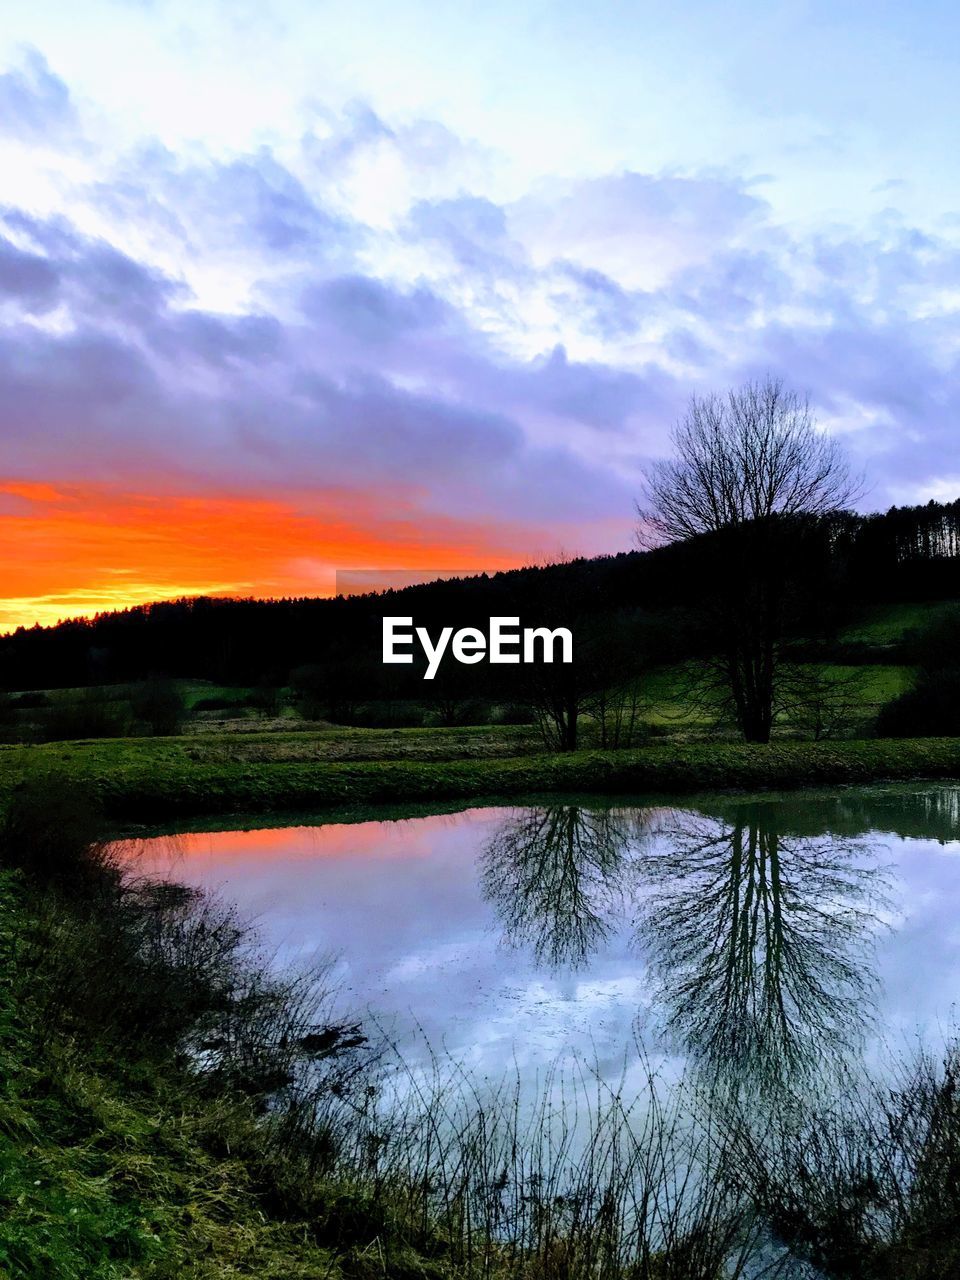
(904, 554)
(674, 606)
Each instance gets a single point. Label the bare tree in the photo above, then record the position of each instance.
(752, 472)
(749, 455)
(824, 702)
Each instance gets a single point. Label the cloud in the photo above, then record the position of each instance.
(373, 315)
(27, 278)
(353, 149)
(369, 385)
(35, 104)
(608, 309)
(635, 227)
(258, 323)
(472, 230)
(210, 208)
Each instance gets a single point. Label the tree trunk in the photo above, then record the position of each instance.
(570, 724)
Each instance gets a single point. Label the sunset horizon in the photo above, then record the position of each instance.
(98, 551)
(365, 319)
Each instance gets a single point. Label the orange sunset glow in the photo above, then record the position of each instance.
(290, 844)
(69, 550)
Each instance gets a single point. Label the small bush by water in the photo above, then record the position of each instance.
(931, 707)
(865, 1187)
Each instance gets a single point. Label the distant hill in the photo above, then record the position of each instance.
(905, 554)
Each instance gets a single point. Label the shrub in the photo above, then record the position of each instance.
(48, 830)
(456, 713)
(160, 704)
(867, 1186)
(216, 704)
(821, 702)
(154, 966)
(8, 716)
(513, 713)
(931, 709)
(265, 699)
(89, 715)
(30, 701)
(935, 646)
(388, 715)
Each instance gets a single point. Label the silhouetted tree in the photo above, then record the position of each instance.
(264, 697)
(821, 701)
(753, 475)
(932, 707)
(90, 713)
(160, 703)
(906, 553)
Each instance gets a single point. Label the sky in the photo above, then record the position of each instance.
(292, 287)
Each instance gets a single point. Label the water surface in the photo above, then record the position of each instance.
(750, 936)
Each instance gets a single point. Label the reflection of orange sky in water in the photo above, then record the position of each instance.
(401, 839)
(75, 550)
(395, 840)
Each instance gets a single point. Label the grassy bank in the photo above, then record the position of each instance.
(110, 1166)
(170, 1109)
(154, 779)
(118, 1162)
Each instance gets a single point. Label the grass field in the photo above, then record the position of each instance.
(248, 764)
(110, 1169)
(886, 624)
(152, 779)
(665, 708)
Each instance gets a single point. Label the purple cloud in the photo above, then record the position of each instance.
(35, 104)
(503, 360)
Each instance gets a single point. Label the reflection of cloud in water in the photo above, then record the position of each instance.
(426, 941)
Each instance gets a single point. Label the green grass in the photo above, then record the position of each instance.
(664, 702)
(194, 691)
(191, 690)
(664, 695)
(153, 779)
(877, 682)
(110, 1172)
(887, 624)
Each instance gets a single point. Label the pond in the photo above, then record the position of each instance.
(751, 937)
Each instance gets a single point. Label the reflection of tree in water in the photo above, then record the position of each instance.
(760, 941)
(556, 877)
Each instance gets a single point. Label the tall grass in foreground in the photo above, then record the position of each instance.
(864, 1186)
(567, 1179)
